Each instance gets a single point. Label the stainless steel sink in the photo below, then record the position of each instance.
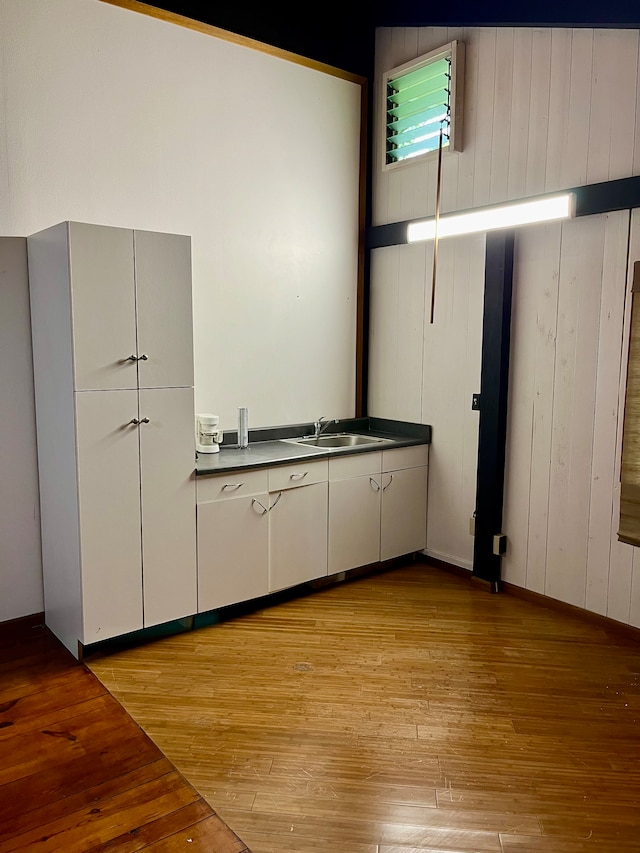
(337, 440)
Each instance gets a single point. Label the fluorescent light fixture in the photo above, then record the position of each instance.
(490, 218)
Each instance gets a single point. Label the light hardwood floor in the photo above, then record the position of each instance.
(405, 712)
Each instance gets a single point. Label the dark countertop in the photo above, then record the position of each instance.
(267, 447)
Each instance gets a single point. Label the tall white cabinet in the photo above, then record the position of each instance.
(113, 369)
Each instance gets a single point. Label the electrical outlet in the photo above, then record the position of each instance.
(499, 544)
(475, 402)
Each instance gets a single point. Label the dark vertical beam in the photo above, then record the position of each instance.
(362, 293)
(494, 387)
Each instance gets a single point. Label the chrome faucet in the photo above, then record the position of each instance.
(321, 424)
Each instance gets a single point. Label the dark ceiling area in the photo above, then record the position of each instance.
(508, 13)
(323, 32)
(342, 33)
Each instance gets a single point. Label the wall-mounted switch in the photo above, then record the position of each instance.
(475, 402)
(499, 544)
(472, 526)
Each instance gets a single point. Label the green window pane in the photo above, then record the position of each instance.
(418, 106)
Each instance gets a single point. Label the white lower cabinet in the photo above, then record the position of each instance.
(377, 506)
(297, 523)
(233, 538)
(263, 530)
(354, 511)
(260, 531)
(403, 526)
(298, 536)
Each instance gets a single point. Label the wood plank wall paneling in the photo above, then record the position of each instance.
(566, 403)
(573, 396)
(533, 337)
(501, 112)
(451, 374)
(481, 144)
(557, 114)
(539, 105)
(383, 331)
(465, 166)
(397, 329)
(616, 577)
(622, 558)
(616, 121)
(575, 146)
(520, 109)
(605, 469)
(412, 308)
(544, 109)
(409, 356)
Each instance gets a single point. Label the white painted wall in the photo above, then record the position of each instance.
(116, 118)
(121, 119)
(20, 560)
(545, 109)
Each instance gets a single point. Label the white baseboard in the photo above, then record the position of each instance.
(449, 558)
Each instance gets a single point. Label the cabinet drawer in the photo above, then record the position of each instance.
(233, 484)
(298, 474)
(405, 457)
(342, 468)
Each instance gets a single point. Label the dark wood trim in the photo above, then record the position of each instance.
(494, 389)
(622, 194)
(487, 586)
(360, 402)
(243, 41)
(391, 234)
(467, 574)
(611, 626)
(21, 624)
(591, 199)
(362, 293)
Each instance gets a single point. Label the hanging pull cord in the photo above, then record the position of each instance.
(435, 238)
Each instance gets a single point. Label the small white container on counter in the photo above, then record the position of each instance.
(243, 426)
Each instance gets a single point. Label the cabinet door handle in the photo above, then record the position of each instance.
(389, 483)
(233, 487)
(136, 421)
(131, 358)
(144, 420)
(375, 484)
(263, 507)
(142, 357)
(275, 502)
(298, 476)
